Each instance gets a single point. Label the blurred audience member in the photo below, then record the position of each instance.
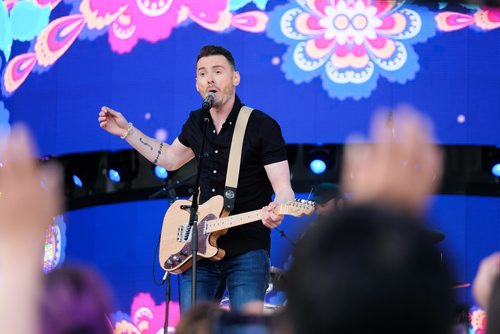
(30, 198)
(75, 301)
(371, 267)
(69, 301)
(200, 319)
(398, 171)
(487, 274)
(461, 321)
(486, 290)
(209, 318)
(327, 197)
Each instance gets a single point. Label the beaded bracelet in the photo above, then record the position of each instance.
(127, 132)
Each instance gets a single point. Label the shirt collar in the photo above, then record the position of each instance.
(233, 115)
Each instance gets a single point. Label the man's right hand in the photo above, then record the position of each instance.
(112, 121)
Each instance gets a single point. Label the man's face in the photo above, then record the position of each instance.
(215, 74)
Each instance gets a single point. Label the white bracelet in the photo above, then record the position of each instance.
(127, 132)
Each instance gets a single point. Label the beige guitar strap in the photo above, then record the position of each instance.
(233, 167)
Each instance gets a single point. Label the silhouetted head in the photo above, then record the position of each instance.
(202, 318)
(327, 197)
(367, 269)
(75, 301)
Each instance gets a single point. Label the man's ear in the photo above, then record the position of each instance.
(236, 78)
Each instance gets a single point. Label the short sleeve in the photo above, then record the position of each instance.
(273, 146)
(187, 131)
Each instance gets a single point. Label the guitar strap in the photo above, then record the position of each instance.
(233, 167)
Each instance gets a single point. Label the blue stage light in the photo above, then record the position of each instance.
(77, 181)
(496, 170)
(114, 176)
(161, 172)
(317, 166)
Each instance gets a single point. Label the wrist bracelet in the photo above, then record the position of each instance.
(127, 132)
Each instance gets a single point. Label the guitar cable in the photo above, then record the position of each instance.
(163, 281)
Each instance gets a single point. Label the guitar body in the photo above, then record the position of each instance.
(175, 255)
(176, 250)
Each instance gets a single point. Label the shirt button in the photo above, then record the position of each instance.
(213, 131)
(213, 190)
(216, 151)
(230, 123)
(215, 171)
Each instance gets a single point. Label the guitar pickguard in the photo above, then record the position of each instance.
(186, 252)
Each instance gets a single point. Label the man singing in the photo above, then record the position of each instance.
(244, 270)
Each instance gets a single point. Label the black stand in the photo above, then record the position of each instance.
(170, 190)
(166, 279)
(193, 210)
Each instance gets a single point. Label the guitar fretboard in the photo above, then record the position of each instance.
(232, 221)
(295, 208)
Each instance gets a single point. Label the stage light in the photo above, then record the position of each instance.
(82, 172)
(114, 176)
(77, 181)
(491, 160)
(320, 160)
(161, 172)
(123, 167)
(317, 166)
(496, 169)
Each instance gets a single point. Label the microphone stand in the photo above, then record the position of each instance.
(193, 208)
(166, 279)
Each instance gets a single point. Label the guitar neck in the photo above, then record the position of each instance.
(232, 221)
(295, 208)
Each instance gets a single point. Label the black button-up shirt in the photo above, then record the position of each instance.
(263, 144)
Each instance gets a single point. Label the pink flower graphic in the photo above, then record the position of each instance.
(483, 18)
(151, 20)
(349, 43)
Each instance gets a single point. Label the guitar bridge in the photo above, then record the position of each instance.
(184, 233)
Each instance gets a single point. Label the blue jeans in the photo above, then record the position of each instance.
(246, 277)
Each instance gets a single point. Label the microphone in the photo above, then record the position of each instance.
(208, 101)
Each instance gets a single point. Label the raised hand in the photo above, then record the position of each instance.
(487, 274)
(30, 198)
(398, 170)
(30, 195)
(112, 121)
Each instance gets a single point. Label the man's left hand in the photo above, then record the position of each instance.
(269, 218)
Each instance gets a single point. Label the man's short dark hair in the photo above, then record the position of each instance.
(367, 269)
(214, 50)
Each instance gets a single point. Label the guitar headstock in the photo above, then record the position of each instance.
(296, 208)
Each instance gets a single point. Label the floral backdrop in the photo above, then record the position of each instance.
(349, 44)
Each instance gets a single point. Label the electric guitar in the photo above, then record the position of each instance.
(175, 243)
